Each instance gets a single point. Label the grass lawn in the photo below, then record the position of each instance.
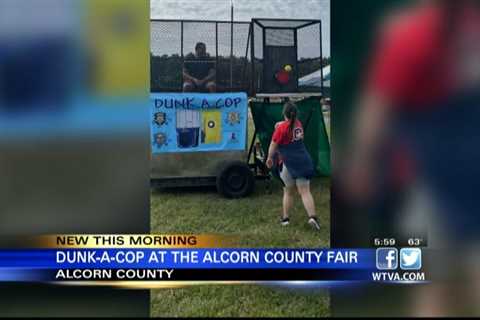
(238, 301)
(255, 221)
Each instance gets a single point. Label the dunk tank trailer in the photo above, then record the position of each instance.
(199, 105)
(203, 75)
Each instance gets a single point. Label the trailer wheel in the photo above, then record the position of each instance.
(235, 180)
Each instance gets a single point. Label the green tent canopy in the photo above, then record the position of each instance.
(266, 115)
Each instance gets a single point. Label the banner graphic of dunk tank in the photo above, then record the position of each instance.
(195, 122)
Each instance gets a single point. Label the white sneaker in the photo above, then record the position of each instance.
(314, 223)
(285, 222)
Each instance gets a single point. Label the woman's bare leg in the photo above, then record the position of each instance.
(287, 201)
(307, 198)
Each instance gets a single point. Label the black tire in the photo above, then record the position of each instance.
(235, 180)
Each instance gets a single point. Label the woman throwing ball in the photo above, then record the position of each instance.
(288, 152)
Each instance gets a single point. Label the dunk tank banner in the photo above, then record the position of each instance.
(187, 122)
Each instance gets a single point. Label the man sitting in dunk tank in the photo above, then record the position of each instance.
(199, 71)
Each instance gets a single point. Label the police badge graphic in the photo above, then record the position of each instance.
(160, 139)
(233, 118)
(160, 118)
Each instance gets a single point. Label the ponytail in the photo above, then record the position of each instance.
(290, 112)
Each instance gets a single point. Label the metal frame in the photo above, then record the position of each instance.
(195, 21)
(258, 164)
(216, 52)
(289, 95)
(295, 37)
(308, 22)
(251, 40)
(322, 87)
(216, 22)
(252, 59)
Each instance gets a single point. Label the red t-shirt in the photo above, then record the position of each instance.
(415, 65)
(422, 59)
(283, 135)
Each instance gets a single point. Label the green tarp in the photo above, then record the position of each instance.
(266, 115)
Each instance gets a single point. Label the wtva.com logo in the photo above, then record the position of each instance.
(389, 259)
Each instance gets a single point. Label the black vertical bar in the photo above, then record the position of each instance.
(321, 61)
(295, 41)
(252, 57)
(216, 54)
(182, 54)
(231, 50)
(252, 144)
(216, 39)
(264, 42)
(181, 38)
(244, 76)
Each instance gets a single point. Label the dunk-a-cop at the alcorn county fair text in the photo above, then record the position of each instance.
(199, 127)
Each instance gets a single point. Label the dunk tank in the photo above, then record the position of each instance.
(216, 132)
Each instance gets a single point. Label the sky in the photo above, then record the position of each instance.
(245, 10)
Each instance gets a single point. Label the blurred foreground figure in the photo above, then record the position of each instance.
(74, 138)
(416, 141)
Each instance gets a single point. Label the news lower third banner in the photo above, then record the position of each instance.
(150, 261)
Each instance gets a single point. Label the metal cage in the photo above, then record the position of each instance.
(277, 43)
(173, 43)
